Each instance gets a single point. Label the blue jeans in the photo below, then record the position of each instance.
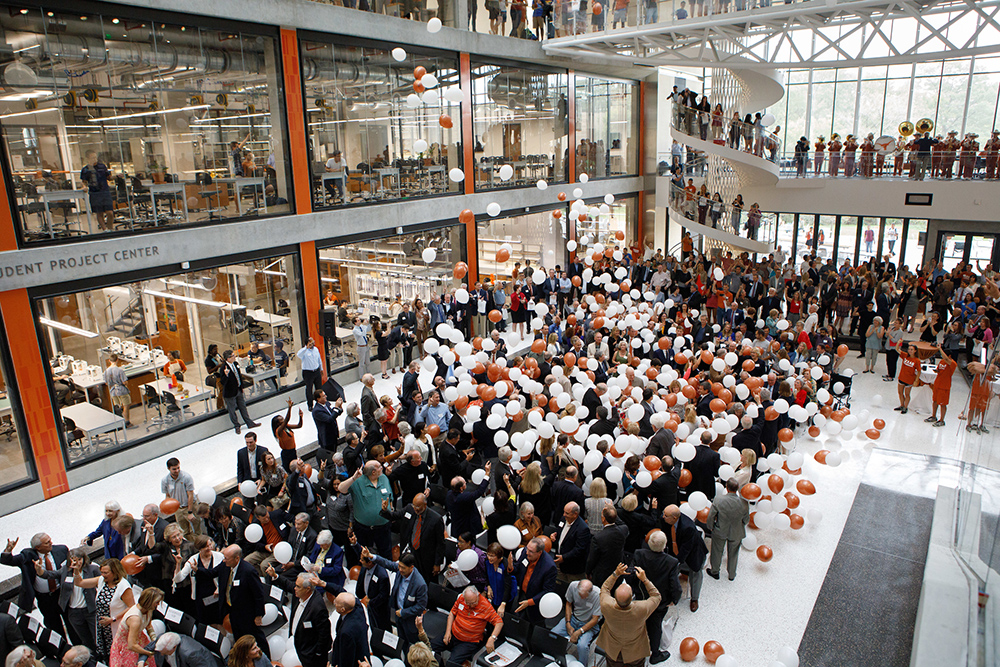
(583, 645)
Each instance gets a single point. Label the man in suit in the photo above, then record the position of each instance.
(79, 611)
(598, 346)
(623, 636)
(505, 456)
(369, 402)
(461, 502)
(663, 570)
(571, 541)
(303, 539)
(592, 398)
(663, 489)
(151, 515)
(232, 391)
(351, 645)
(421, 532)
(536, 574)
(186, 652)
(646, 429)
(328, 563)
(603, 425)
(301, 491)
(241, 594)
(601, 471)
(10, 634)
(566, 491)
(410, 385)
(408, 598)
(704, 467)
(662, 442)
(727, 519)
(309, 625)
(34, 588)
(325, 416)
(748, 437)
(452, 462)
(608, 545)
(373, 591)
(249, 458)
(686, 544)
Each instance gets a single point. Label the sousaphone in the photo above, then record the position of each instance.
(906, 128)
(925, 125)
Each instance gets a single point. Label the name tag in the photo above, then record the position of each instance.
(410, 598)
(236, 582)
(407, 516)
(211, 634)
(301, 483)
(524, 562)
(69, 580)
(285, 525)
(384, 491)
(374, 579)
(420, 476)
(524, 531)
(461, 606)
(307, 624)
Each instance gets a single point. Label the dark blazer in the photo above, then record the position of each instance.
(351, 644)
(301, 546)
(332, 573)
(431, 551)
(663, 488)
(189, 653)
(296, 485)
(25, 561)
(603, 427)
(369, 404)
(415, 603)
(704, 468)
(661, 444)
(410, 479)
(247, 593)
(243, 470)
(565, 492)
(749, 438)
(66, 587)
(645, 426)
(327, 430)
(10, 634)
(663, 570)
(543, 580)
(575, 548)
(232, 383)
(607, 549)
(377, 593)
(462, 507)
(691, 549)
(312, 635)
(451, 463)
(601, 472)
(407, 388)
(591, 401)
(639, 524)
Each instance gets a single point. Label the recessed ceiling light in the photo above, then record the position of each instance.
(115, 21)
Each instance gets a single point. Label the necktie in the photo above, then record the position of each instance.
(673, 538)
(49, 565)
(229, 588)
(416, 531)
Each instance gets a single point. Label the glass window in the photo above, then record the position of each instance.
(118, 125)
(916, 240)
(869, 237)
(168, 335)
(382, 277)
(805, 243)
(15, 452)
(520, 118)
(615, 229)
(786, 230)
(535, 240)
(824, 236)
(847, 239)
(606, 127)
(375, 131)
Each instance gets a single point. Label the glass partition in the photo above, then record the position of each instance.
(847, 238)
(382, 278)
(533, 240)
(916, 241)
(16, 462)
(607, 127)
(379, 129)
(617, 228)
(113, 124)
(168, 335)
(519, 119)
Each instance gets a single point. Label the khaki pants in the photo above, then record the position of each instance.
(190, 528)
(261, 560)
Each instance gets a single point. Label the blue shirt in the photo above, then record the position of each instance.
(436, 415)
(404, 585)
(310, 358)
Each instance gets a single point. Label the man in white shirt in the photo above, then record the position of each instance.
(336, 165)
(312, 369)
(812, 321)
(779, 256)
(598, 346)
(362, 338)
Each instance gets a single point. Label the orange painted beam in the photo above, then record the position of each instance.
(8, 233)
(33, 390)
(571, 132)
(311, 286)
(468, 161)
(296, 118)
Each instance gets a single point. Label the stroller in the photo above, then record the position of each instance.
(841, 399)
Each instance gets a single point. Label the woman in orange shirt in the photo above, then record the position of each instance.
(282, 429)
(907, 376)
(979, 401)
(391, 425)
(942, 387)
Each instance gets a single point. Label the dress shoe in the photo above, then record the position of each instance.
(694, 605)
(659, 657)
(714, 575)
(237, 430)
(254, 425)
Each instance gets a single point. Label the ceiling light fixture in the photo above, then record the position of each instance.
(190, 299)
(149, 113)
(28, 113)
(66, 327)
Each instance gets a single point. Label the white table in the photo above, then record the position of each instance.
(392, 173)
(5, 408)
(262, 375)
(94, 421)
(240, 182)
(51, 196)
(168, 188)
(264, 317)
(184, 395)
(86, 382)
(334, 176)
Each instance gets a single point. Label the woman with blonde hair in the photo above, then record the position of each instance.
(114, 598)
(553, 345)
(420, 653)
(595, 504)
(534, 490)
(135, 631)
(745, 470)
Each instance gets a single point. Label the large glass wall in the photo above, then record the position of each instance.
(169, 334)
(16, 463)
(114, 124)
(532, 240)
(615, 225)
(607, 127)
(520, 119)
(915, 241)
(379, 278)
(379, 128)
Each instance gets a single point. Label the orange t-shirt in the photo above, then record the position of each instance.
(470, 623)
(945, 369)
(687, 245)
(908, 373)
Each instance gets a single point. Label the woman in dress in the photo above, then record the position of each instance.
(704, 201)
(114, 597)
(595, 505)
(135, 632)
(204, 589)
(423, 317)
(382, 340)
(390, 427)
(845, 302)
(283, 430)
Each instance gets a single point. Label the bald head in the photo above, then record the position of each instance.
(344, 603)
(585, 587)
(671, 513)
(623, 595)
(419, 503)
(571, 473)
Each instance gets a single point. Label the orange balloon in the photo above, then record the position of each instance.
(503, 255)
(479, 369)
(493, 372)
(689, 392)
(879, 424)
(557, 214)
(461, 402)
(726, 396)
(531, 363)
(797, 521)
(689, 649)
(466, 217)
(169, 506)
(133, 564)
(460, 270)
(561, 196)
(608, 252)
(707, 357)
(235, 501)
(770, 414)
(717, 405)
(444, 120)
(547, 542)
(838, 415)
(785, 435)
(751, 522)
(821, 455)
(749, 365)
(355, 571)
(419, 71)
(306, 471)
(620, 235)
(598, 322)
(702, 515)
(671, 400)
(434, 429)
(553, 405)
(814, 431)
(576, 280)
(750, 491)
(655, 474)
(764, 553)
(793, 500)
(225, 623)
(495, 315)
(489, 394)
(651, 463)
(775, 483)
(680, 359)
(842, 349)
(685, 477)
(538, 347)
(651, 373)
(418, 87)
(805, 487)
(569, 359)
(663, 343)
(713, 650)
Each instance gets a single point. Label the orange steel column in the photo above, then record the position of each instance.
(33, 390)
(641, 229)
(295, 116)
(468, 161)
(8, 235)
(311, 288)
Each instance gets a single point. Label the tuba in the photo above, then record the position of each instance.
(906, 128)
(925, 125)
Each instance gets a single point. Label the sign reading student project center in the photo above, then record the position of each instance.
(14, 274)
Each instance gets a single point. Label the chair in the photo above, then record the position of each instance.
(170, 402)
(386, 645)
(439, 603)
(516, 631)
(150, 398)
(546, 648)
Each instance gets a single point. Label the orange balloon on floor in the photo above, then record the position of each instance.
(689, 649)
(793, 500)
(169, 506)
(805, 487)
(873, 433)
(879, 424)
(751, 522)
(814, 431)
(821, 455)
(764, 553)
(685, 478)
(750, 491)
(797, 521)
(786, 435)
(713, 650)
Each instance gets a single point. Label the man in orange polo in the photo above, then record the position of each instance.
(467, 621)
(942, 387)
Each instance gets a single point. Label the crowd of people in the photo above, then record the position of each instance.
(611, 461)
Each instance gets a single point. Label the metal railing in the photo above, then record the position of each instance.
(725, 130)
(760, 226)
(897, 164)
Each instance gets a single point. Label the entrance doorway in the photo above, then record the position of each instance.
(956, 247)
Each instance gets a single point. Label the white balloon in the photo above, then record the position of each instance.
(506, 172)
(429, 80)
(838, 387)
(571, 246)
(398, 54)
(541, 184)
(719, 275)
(577, 193)
(763, 521)
(467, 560)
(788, 657)
(206, 494)
(592, 460)
(550, 605)
(412, 100)
(493, 209)
(453, 94)
(726, 660)
(750, 541)
(781, 405)
(833, 459)
(277, 644)
(643, 479)
(419, 146)
(159, 627)
(698, 501)
(613, 474)
(834, 427)
(283, 552)
(456, 175)
(429, 255)
(478, 475)
(253, 532)
(782, 325)
(248, 488)
(270, 613)
(684, 451)
(725, 472)
(584, 178)
(434, 25)
(814, 516)
(781, 521)
(509, 537)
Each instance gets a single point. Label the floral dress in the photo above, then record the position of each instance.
(121, 655)
(104, 636)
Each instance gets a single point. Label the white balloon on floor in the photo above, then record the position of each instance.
(788, 657)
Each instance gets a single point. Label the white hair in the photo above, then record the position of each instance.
(81, 655)
(17, 655)
(657, 541)
(324, 537)
(168, 641)
(113, 506)
(659, 420)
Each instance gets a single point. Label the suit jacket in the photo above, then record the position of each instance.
(232, 382)
(10, 634)
(575, 547)
(704, 468)
(351, 644)
(243, 468)
(333, 567)
(245, 600)
(664, 489)
(369, 404)
(415, 603)
(296, 485)
(645, 426)
(431, 551)
(189, 653)
(25, 561)
(462, 507)
(327, 431)
(603, 427)
(728, 517)
(661, 444)
(543, 580)
(663, 570)
(66, 587)
(607, 549)
(312, 634)
(301, 546)
(407, 388)
(691, 549)
(601, 472)
(377, 592)
(623, 636)
(749, 438)
(565, 492)
(591, 401)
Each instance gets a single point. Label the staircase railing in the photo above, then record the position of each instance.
(726, 131)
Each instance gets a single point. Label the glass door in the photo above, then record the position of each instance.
(966, 248)
(952, 250)
(981, 249)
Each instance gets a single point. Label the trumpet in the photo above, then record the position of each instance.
(906, 128)
(925, 125)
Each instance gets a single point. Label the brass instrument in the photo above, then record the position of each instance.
(906, 128)
(925, 125)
